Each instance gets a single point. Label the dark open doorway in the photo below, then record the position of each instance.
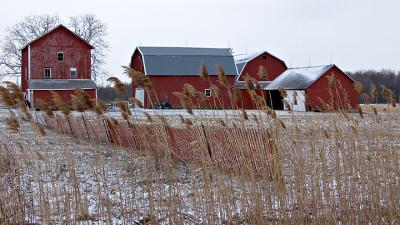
(276, 100)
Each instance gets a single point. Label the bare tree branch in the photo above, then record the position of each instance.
(87, 26)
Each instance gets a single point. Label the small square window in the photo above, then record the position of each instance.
(47, 72)
(264, 57)
(60, 56)
(73, 73)
(207, 92)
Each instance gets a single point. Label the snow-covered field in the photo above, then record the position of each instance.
(332, 169)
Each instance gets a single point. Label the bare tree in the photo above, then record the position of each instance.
(19, 35)
(92, 30)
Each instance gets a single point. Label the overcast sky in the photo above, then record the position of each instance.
(354, 34)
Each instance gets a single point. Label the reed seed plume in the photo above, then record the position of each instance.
(84, 98)
(282, 124)
(6, 97)
(215, 91)
(136, 102)
(60, 104)
(221, 122)
(113, 121)
(189, 90)
(43, 105)
(138, 78)
(181, 118)
(77, 104)
(360, 112)
(125, 112)
(262, 73)
(287, 105)
(237, 95)
(283, 92)
(331, 80)
(244, 114)
(40, 129)
(185, 100)
(12, 122)
(249, 82)
(99, 107)
(222, 76)
(373, 92)
(204, 72)
(148, 117)
(118, 85)
(359, 88)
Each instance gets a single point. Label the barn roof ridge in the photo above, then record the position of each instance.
(54, 29)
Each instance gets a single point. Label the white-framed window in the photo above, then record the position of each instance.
(207, 92)
(60, 56)
(73, 73)
(47, 72)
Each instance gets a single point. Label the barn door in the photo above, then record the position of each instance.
(139, 94)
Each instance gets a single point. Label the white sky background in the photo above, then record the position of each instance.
(357, 34)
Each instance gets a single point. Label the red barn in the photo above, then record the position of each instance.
(308, 88)
(169, 68)
(57, 61)
(249, 65)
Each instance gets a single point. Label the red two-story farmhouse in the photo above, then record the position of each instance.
(57, 61)
(169, 68)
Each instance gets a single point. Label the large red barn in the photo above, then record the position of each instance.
(249, 65)
(169, 68)
(308, 88)
(57, 61)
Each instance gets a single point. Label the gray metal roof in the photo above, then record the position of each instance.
(61, 84)
(185, 60)
(243, 86)
(298, 78)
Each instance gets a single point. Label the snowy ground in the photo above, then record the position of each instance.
(65, 179)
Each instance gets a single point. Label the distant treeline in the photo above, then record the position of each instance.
(108, 93)
(388, 78)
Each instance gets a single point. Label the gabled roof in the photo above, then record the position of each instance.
(54, 29)
(243, 59)
(61, 84)
(299, 78)
(186, 60)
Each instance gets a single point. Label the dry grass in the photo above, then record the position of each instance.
(259, 168)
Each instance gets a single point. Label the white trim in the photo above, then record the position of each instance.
(44, 72)
(63, 56)
(144, 62)
(29, 62)
(205, 90)
(73, 69)
(95, 91)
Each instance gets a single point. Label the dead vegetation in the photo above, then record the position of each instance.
(234, 167)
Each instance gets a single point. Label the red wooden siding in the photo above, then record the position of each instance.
(164, 86)
(76, 55)
(320, 89)
(273, 65)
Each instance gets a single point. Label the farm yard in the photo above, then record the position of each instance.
(316, 168)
